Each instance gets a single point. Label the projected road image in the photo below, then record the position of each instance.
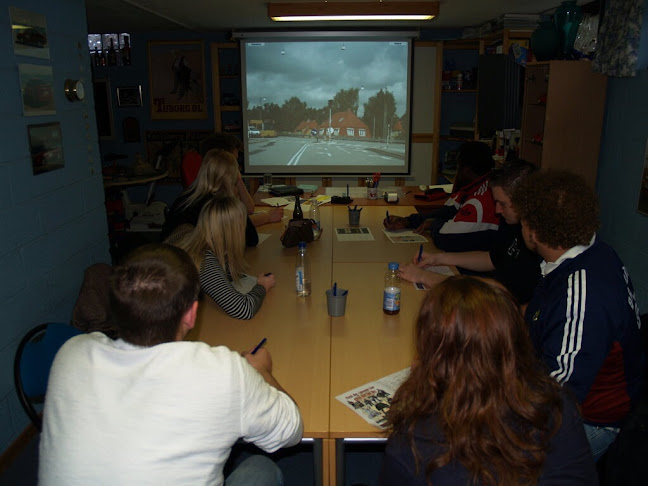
(318, 104)
(306, 152)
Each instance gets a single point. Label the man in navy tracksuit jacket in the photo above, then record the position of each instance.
(583, 317)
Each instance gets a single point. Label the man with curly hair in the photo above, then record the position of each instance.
(583, 316)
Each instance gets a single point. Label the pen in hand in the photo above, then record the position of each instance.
(418, 260)
(387, 217)
(258, 346)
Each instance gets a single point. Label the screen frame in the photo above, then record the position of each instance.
(333, 36)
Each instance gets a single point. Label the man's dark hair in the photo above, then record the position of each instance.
(223, 141)
(150, 292)
(476, 156)
(510, 174)
(559, 206)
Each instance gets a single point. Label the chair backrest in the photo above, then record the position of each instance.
(33, 361)
(191, 162)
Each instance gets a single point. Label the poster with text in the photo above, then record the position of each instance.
(177, 79)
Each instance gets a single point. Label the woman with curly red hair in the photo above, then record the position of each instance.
(477, 407)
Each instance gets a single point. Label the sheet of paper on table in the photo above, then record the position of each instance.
(263, 237)
(373, 400)
(446, 187)
(354, 234)
(404, 236)
(443, 270)
(277, 201)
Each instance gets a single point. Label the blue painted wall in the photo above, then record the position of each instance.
(54, 224)
(623, 149)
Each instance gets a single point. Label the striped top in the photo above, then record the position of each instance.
(216, 282)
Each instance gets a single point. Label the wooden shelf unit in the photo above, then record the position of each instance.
(563, 132)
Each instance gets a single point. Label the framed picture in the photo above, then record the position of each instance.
(103, 108)
(177, 80)
(131, 96)
(37, 86)
(45, 147)
(642, 205)
(29, 33)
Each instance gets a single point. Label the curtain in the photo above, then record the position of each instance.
(619, 35)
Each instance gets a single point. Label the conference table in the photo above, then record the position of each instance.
(317, 357)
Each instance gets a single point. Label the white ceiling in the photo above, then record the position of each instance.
(222, 15)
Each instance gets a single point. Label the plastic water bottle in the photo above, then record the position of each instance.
(302, 272)
(314, 215)
(392, 292)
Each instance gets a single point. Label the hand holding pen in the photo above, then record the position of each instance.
(267, 280)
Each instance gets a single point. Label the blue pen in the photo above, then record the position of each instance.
(387, 216)
(334, 289)
(420, 253)
(258, 346)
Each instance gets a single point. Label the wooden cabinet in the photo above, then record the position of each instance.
(564, 103)
(226, 87)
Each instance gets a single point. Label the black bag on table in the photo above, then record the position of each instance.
(296, 231)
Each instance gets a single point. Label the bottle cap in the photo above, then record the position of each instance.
(302, 244)
(393, 266)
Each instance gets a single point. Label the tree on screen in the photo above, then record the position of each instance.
(380, 113)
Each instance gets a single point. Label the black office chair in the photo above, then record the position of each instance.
(32, 364)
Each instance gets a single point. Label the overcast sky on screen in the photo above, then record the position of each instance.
(315, 71)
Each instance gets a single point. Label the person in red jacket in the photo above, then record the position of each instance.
(468, 221)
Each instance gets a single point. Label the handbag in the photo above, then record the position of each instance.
(296, 231)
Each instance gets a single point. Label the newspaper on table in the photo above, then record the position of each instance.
(404, 236)
(373, 400)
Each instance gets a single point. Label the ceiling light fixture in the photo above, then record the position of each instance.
(319, 11)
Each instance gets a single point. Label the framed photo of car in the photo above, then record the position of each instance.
(130, 96)
(45, 147)
(29, 33)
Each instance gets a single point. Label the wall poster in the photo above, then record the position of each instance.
(177, 80)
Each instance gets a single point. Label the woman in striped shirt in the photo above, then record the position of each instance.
(216, 245)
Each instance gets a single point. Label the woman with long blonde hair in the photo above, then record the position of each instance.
(216, 245)
(478, 407)
(218, 176)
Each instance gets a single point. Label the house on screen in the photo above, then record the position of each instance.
(306, 127)
(345, 124)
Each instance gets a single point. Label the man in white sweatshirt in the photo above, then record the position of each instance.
(150, 408)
